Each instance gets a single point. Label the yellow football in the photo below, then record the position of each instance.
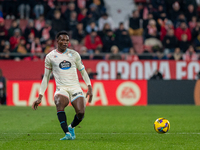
(161, 125)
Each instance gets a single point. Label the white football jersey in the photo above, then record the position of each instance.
(64, 67)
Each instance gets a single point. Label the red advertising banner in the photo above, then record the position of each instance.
(143, 70)
(107, 70)
(118, 92)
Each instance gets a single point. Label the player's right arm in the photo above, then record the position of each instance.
(44, 84)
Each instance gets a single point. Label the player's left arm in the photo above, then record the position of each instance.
(85, 76)
(87, 81)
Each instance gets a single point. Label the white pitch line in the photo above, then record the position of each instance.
(100, 133)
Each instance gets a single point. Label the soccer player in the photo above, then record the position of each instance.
(64, 62)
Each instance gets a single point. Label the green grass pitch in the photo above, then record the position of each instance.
(103, 128)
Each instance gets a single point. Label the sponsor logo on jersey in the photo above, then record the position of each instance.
(55, 56)
(64, 65)
(77, 94)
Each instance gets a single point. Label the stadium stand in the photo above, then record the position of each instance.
(154, 21)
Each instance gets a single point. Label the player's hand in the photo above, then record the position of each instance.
(89, 93)
(37, 102)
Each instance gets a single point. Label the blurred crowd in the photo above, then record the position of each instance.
(167, 29)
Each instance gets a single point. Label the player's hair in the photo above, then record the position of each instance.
(61, 33)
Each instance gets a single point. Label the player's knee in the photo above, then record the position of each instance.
(80, 115)
(59, 105)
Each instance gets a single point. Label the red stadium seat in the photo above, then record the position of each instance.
(137, 39)
(8, 23)
(22, 24)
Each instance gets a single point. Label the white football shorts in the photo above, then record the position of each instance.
(72, 93)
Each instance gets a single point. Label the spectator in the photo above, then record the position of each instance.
(157, 3)
(40, 23)
(24, 8)
(118, 77)
(146, 21)
(197, 43)
(70, 9)
(48, 46)
(94, 11)
(151, 30)
(151, 34)
(177, 55)
(78, 33)
(150, 8)
(134, 24)
(5, 51)
(84, 54)
(124, 42)
(184, 44)
(21, 49)
(115, 55)
(190, 54)
(131, 56)
(160, 13)
(105, 19)
(174, 13)
(165, 25)
(3, 31)
(193, 23)
(58, 24)
(14, 25)
(30, 29)
(157, 76)
(183, 29)
(38, 8)
(108, 41)
(190, 12)
(119, 30)
(170, 41)
(36, 48)
(196, 30)
(92, 41)
(82, 14)
(89, 18)
(46, 32)
(104, 31)
(2, 45)
(72, 21)
(160, 56)
(100, 5)
(181, 18)
(2, 88)
(50, 7)
(91, 26)
(29, 42)
(186, 3)
(14, 40)
(97, 55)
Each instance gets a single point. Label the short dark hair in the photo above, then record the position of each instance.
(61, 33)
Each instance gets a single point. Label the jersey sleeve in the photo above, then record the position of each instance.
(48, 63)
(79, 64)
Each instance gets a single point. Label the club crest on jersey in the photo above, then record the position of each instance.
(64, 65)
